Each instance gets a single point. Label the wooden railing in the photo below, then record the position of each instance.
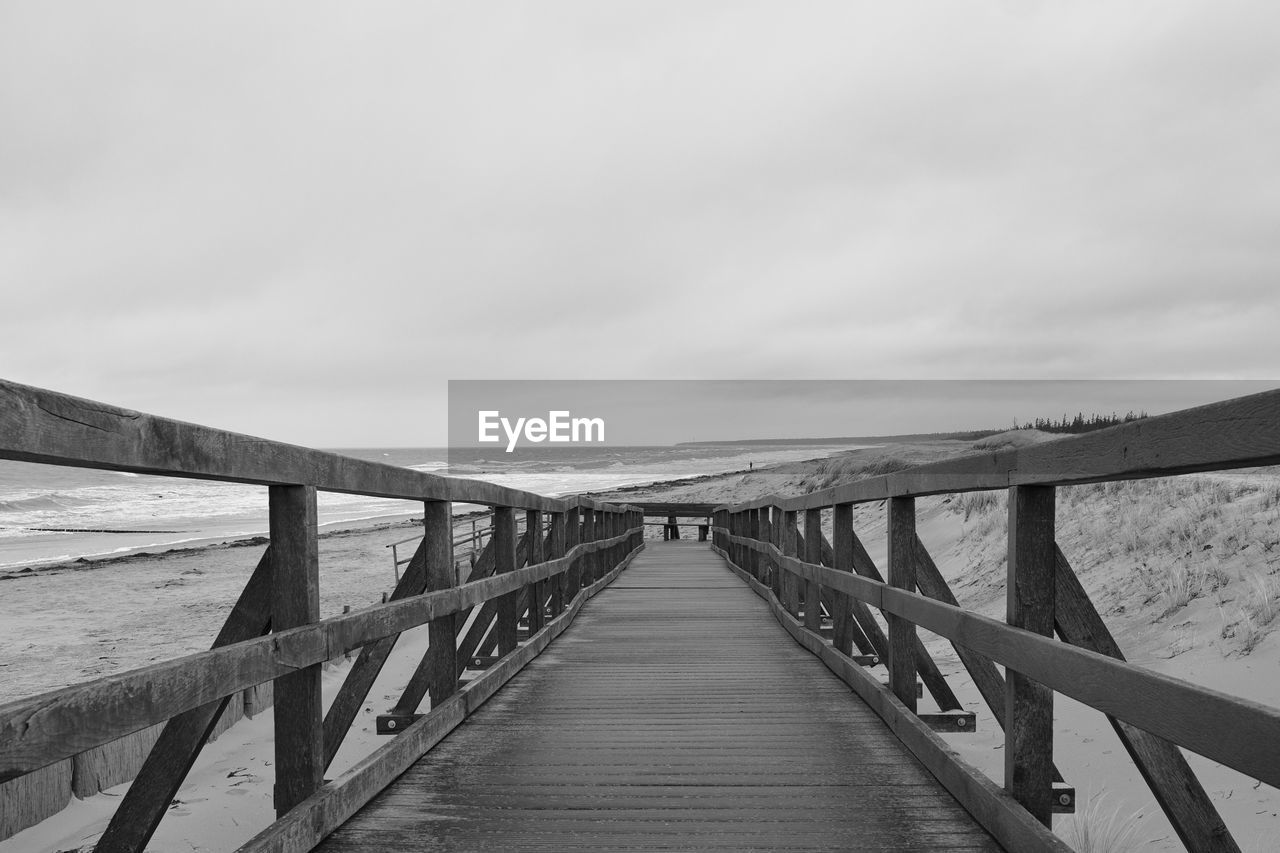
(1151, 713)
(571, 549)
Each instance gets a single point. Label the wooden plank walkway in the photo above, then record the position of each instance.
(674, 714)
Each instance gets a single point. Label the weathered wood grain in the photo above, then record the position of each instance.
(535, 591)
(1171, 708)
(628, 741)
(1028, 730)
(902, 575)
(504, 544)
(812, 554)
(987, 802)
(295, 601)
(39, 730)
(934, 681)
(336, 801)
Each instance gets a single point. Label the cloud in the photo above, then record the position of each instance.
(302, 206)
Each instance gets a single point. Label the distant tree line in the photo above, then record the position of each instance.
(1080, 423)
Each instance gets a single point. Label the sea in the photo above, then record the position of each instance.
(53, 514)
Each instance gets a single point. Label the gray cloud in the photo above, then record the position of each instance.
(299, 220)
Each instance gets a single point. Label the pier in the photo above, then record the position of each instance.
(585, 688)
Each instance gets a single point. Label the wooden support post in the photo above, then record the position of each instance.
(589, 561)
(753, 530)
(902, 574)
(671, 524)
(842, 560)
(790, 548)
(572, 538)
(504, 545)
(1028, 751)
(778, 528)
(169, 761)
(1163, 766)
(537, 591)
(555, 550)
(295, 601)
(812, 554)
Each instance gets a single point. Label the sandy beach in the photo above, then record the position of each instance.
(77, 621)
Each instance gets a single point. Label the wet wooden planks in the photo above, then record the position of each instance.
(675, 714)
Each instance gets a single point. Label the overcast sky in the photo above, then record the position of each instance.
(299, 220)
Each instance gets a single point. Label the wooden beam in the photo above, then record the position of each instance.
(902, 574)
(303, 828)
(537, 598)
(934, 681)
(37, 731)
(170, 760)
(790, 547)
(1239, 433)
(1028, 750)
(555, 550)
(991, 806)
(504, 549)
(982, 671)
(812, 554)
(295, 601)
(43, 426)
(1167, 773)
(1244, 737)
(842, 561)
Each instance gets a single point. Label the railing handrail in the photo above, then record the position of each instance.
(37, 425)
(1121, 689)
(39, 730)
(1237, 433)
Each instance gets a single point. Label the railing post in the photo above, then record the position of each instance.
(537, 591)
(442, 636)
(295, 601)
(504, 554)
(902, 574)
(1028, 752)
(588, 536)
(766, 567)
(753, 529)
(812, 554)
(790, 582)
(555, 550)
(572, 536)
(842, 560)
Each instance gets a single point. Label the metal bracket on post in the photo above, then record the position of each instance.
(866, 660)
(393, 724)
(955, 721)
(1064, 799)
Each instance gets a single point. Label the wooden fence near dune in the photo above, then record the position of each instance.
(779, 547)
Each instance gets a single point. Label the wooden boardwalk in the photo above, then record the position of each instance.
(675, 714)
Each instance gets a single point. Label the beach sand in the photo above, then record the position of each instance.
(78, 621)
